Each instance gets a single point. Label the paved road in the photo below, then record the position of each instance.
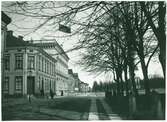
(93, 114)
(104, 113)
(38, 108)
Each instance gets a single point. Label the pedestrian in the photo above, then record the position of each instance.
(42, 92)
(29, 98)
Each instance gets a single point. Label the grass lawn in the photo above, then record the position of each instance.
(117, 108)
(57, 109)
(78, 104)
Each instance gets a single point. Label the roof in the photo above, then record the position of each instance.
(18, 42)
(84, 83)
(12, 41)
(45, 43)
(5, 18)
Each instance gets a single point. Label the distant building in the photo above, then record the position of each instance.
(29, 69)
(84, 87)
(77, 81)
(71, 81)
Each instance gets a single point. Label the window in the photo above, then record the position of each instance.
(38, 83)
(7, 62)
(6, 84)
(45, 66)
(19, 61)
(48, 67)
(31, 50)
(52, 69)
(31, 62)
(42, 64)
(18, 84)
(39, 63)
(47, 85)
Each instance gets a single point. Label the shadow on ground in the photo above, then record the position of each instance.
(69, 108)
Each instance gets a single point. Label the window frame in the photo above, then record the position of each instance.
(31, 62)
(20, 90)
(7, 62)
(18, 59)
(4, 85)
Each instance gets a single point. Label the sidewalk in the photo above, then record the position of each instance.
(94, 115)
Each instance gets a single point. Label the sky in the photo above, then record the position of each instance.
(20, 23)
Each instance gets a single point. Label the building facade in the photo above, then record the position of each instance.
(77, 81)
(84, 87)
(29, 69)
(73, 81)
(61, 68)
(5, 20)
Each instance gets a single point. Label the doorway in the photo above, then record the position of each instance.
(30, 85)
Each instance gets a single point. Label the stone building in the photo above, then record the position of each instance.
(83, 87)
(77, 81)
(29, 69)
(61, 67)
(73, 81)
(5, 20)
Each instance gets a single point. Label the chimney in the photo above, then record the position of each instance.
(20, 37)
(10, 33)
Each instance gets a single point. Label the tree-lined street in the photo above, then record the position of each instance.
(122, 39)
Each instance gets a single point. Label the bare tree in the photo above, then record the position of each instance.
(155, 14)
(113, 33)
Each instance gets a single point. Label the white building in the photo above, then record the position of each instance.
(83, 87)
(73, 81)
(5, 20)
(29, 69)
(61, 71)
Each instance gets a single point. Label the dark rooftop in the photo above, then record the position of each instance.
(12, 41)
(5, 18)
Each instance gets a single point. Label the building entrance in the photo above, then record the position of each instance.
(30, 85)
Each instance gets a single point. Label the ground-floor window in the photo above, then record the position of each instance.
(47, 86)
(18, 84)
(38, 82)
(6, 85)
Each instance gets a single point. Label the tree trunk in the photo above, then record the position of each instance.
(118, 84)
(161, 34)
(145, 75)
(132, 78)
(126, 80)
(121, 84)
(158, 31)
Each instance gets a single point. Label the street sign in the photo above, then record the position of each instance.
(64, 28)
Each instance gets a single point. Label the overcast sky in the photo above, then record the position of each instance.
(19, 23)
